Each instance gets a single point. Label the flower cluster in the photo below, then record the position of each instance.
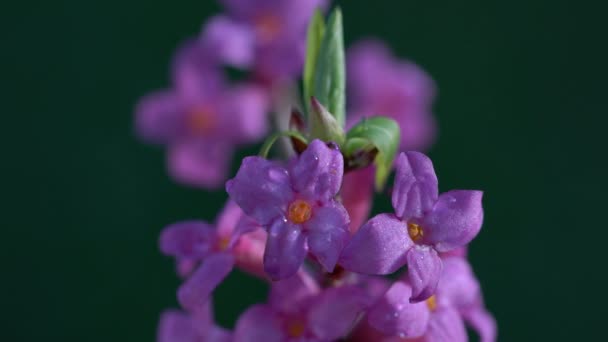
(302, 222)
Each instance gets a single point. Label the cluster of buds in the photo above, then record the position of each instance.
(301, 221)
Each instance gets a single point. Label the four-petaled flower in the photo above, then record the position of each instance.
(297, 207)
(201, 119)
(424, 224)
(441, 317)
(216, 248)
(380, 84)
(298, 310)
(267, 36)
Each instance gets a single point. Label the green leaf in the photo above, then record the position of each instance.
(273, 138)
(316, 29)
(376, 132)
(329, 73)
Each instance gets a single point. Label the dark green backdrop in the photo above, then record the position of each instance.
(520, 94)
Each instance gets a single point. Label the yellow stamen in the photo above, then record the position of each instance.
(201, 120)
(295, 329)
(268, 27)
(431, 303)
(222, 243)
(299, 211)
(415, 231)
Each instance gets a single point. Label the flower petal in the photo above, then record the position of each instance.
(457, 286)
(195, 74)
(318, 171)
(367, 60)
(281, 59)
(375, 287)
(216, 334)
(199, 163)
(285, 250)
(291, 294)
(158, 117)
(232, 41)
(196, 290)
(460, 252)
(261, 188)
(482, 322)
(246, 225)
(423, 271)
(247, 9)
(379, 247)
(259, 323)
(446, 325)
(205, 326)
(228, 219)
(249, 253)
(327, 234)
(357, 194)
(184, 267)
(381, 84)
(334, 313)
(176, 326)
(393, 314)
(246, 108)
(455, 220)
(416, 188)
(232, 224)
(188, 240)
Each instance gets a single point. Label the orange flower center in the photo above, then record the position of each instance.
(295, 328)
(415, 231)
(431, 303)
(222, 243)
(201, 120)
(299, 211)
(267, 26)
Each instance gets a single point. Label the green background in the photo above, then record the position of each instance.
(521, 94)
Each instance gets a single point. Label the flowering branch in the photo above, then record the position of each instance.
(303, 223)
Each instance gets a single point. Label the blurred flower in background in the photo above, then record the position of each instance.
(202, 118)
(267, 37)
(381, 84)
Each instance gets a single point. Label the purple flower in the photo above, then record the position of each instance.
(441, 317)
(266, 35)
(424, 224)
(201, 119)
(459, 288)
(357, 196)
(380, 84)
(461, 252)
(178, 326)
(230, 41)
(299, 311)
(217, 251)
(296, 205)
(393, 314)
